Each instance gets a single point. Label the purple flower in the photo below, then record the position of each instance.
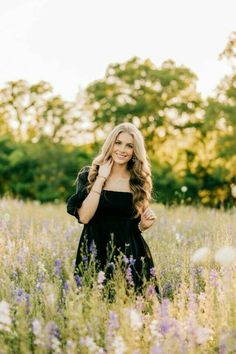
(132, 260)
(78, 281)
(19, 293)
(153, 271)
(28, 303)
(38, 286)
(58, 264)
(214, 278)
(66, 285)
(27, 297)
(53, 335)
(93, 249)
(151, 290)
(156, 350)
(113, 320)
(192, 302)
(129, 276)
(20, 258)
(164, 309)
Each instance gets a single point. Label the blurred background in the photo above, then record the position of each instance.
(70, 71)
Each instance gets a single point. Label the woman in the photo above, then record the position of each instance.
(112, 201)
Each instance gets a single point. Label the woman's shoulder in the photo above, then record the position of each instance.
(83, 174)
(84, 170)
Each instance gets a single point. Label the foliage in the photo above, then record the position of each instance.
(191, 141)
(42, 171)
(44, 310)
(158, 100)
(31, 112)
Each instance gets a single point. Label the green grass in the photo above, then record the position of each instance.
(43, 311)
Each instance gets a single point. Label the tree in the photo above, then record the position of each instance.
(158, 100)
(31, 112)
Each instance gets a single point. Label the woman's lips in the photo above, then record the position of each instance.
(120, 156)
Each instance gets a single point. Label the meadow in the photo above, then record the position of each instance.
(43, 309)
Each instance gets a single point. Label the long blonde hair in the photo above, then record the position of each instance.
(139, 167)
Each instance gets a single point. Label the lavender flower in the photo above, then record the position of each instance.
(28, 303)
(58, 264)
(53, 336)
(78, 281)
(66, 286)
(214, 278)
(156, 349)
(132, 260)
(153, 271)
(93, 249)
(150, 290)
(129, 276)
(19, 293)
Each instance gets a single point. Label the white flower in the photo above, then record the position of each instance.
(41, 267)
(201, 256)
(119, 345)
(5, 319)
(225, 256)
(51, 299)
(203, 335)
(90, 344)
(38, 332)
(184, 189)
(135, 319)
(101, 277)
(70, 346)
(178, 237)
(154, 330)
(37, 328)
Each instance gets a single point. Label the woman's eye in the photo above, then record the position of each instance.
(117, 142)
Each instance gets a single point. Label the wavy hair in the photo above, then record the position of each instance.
(139, 168)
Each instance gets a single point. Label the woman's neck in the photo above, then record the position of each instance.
(120, 171)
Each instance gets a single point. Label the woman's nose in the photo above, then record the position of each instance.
(122, 148)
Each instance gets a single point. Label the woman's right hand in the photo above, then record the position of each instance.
(105, 169)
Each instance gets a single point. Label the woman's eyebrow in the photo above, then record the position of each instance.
(122, 141)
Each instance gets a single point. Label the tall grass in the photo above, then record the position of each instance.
(43, 309)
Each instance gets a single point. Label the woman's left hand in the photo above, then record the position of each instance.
(147, 218)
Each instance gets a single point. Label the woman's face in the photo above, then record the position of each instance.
(123, 148)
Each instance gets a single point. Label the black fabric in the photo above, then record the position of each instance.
(113, 229)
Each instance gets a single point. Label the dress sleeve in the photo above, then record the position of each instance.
(75, 201)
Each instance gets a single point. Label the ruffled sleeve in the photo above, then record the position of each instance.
(76, 200)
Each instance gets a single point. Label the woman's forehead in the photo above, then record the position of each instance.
(125, 137)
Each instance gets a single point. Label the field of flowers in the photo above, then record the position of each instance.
(43, 309)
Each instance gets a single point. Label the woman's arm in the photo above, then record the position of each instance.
(90, 204)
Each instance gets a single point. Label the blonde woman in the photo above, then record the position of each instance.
(112, 201)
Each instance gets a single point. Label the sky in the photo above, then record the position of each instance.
(70, 43)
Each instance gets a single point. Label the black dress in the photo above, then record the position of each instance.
(112, 231)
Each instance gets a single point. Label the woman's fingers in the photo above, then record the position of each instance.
(149, 213)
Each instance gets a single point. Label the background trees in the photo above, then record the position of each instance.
(191, 141)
